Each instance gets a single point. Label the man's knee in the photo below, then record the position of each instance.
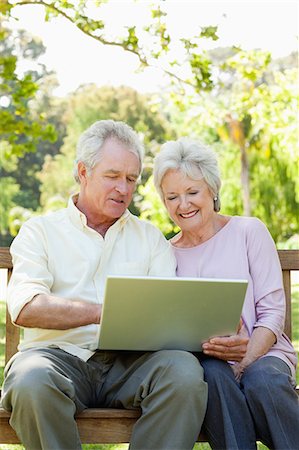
(33, 381)
(183, 370)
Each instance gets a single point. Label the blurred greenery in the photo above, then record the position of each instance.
(242, 103)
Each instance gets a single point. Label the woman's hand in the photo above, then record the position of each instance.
(228, 348)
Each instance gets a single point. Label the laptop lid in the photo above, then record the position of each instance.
(151, 313)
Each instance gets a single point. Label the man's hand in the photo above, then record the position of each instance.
(228, 348)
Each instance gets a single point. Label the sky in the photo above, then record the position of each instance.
(78, 59)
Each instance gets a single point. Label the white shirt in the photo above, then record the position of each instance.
(59, 254)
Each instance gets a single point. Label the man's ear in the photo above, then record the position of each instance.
(82, 172)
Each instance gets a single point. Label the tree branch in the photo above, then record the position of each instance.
(102, 40)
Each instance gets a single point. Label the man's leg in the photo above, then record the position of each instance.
(228, 423)
(39, 390)
(168, 386)
(274, 404)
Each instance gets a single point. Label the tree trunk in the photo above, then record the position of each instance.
(245, 181)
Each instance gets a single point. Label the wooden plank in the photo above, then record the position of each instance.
(12, 333)
(107, 426)
(96, 425)
(5, 258)
(289, 259)
(286, 275)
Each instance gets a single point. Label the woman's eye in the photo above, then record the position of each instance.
(171, 198)
(193, 192)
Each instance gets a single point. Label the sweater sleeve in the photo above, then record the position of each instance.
(265, 270)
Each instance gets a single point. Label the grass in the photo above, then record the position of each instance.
(199, 446)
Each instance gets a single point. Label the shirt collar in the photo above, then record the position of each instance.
(80, 221)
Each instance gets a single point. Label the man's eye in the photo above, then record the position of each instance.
(132, 180)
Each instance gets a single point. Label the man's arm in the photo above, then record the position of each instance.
(51, 312)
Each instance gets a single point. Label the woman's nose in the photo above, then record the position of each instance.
(184, 202)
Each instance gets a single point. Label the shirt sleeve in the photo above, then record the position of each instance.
(163, 261)
(265, 270)
(30, 274)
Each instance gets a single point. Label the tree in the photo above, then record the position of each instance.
(151, 43)
(21, 127)
(195, 75)
(17, 126)
(255, 115)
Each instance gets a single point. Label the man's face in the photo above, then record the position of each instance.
(107, 191)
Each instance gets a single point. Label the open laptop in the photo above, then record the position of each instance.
(151, 313)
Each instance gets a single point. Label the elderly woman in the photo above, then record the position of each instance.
(251, 387)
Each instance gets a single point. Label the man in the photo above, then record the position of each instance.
(61, 262)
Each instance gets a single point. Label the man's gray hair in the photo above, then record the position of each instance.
(91, 141)
(194, 159)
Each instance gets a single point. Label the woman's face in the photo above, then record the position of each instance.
(189, 202)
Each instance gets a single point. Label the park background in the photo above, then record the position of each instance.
(222, 72)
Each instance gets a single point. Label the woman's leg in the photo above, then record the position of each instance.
(228, 423)
(273, 402)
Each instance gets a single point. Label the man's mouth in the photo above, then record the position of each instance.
(118, 201)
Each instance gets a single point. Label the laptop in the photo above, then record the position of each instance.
(152, 313)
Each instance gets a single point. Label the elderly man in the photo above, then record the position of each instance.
(61, 262)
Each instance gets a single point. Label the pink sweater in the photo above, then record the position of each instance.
(244, 248)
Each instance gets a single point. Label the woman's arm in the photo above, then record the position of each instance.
(259, 344)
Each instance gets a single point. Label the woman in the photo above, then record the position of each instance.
(252, 396)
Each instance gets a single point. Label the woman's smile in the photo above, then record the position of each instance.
(189, 214)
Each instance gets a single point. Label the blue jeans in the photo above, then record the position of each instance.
(264, 406)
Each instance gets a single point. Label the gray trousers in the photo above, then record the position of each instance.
(264, 406)
(45, 387)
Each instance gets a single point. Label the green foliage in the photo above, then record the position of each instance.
(151, 208)
(29, 124)
(8, 189)
(16, 124)
(246, 110)
(258, 118)
(151, 42)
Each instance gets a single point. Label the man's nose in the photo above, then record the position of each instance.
(122, 187)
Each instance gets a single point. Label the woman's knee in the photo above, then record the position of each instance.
(264, 377)
(216, 371)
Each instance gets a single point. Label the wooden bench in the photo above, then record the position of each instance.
(103, 425)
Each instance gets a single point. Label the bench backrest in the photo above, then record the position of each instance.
(289, 260)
